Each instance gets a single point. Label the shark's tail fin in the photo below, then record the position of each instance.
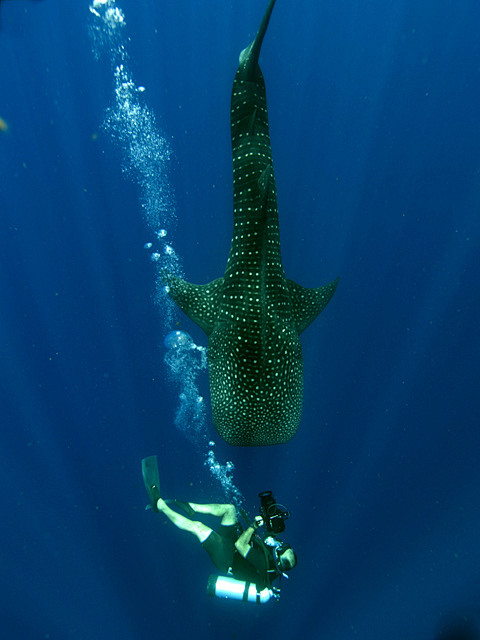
(249, 56)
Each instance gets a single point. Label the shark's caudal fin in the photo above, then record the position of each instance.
(249, 56)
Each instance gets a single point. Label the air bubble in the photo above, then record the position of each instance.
(178, 339)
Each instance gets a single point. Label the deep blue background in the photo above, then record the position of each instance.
(374, 114)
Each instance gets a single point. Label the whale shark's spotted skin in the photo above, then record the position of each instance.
(253, 316)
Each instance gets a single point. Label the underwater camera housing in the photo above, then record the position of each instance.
(273, 513)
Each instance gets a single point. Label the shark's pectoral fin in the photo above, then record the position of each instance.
(307, 304)
(199, 301)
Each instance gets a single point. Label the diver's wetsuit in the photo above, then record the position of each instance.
(258, 566)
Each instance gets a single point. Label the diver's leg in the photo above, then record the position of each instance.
(198, 529)
(227, 512)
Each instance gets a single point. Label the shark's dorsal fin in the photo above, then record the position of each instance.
(251, 125)
(264, 182)
(308, 303)
(199, 301)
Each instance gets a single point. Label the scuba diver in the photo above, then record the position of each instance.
(250, 561)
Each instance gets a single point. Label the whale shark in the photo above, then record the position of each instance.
(254, 315)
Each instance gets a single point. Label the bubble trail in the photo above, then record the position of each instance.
(146, 155)
(146, 152)
(185, 360)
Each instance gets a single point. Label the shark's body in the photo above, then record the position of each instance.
(253, 316)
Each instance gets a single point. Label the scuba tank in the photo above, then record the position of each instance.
(232, 589)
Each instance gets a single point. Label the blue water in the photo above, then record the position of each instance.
(374, 116)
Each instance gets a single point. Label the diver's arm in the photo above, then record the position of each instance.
(242, 545)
